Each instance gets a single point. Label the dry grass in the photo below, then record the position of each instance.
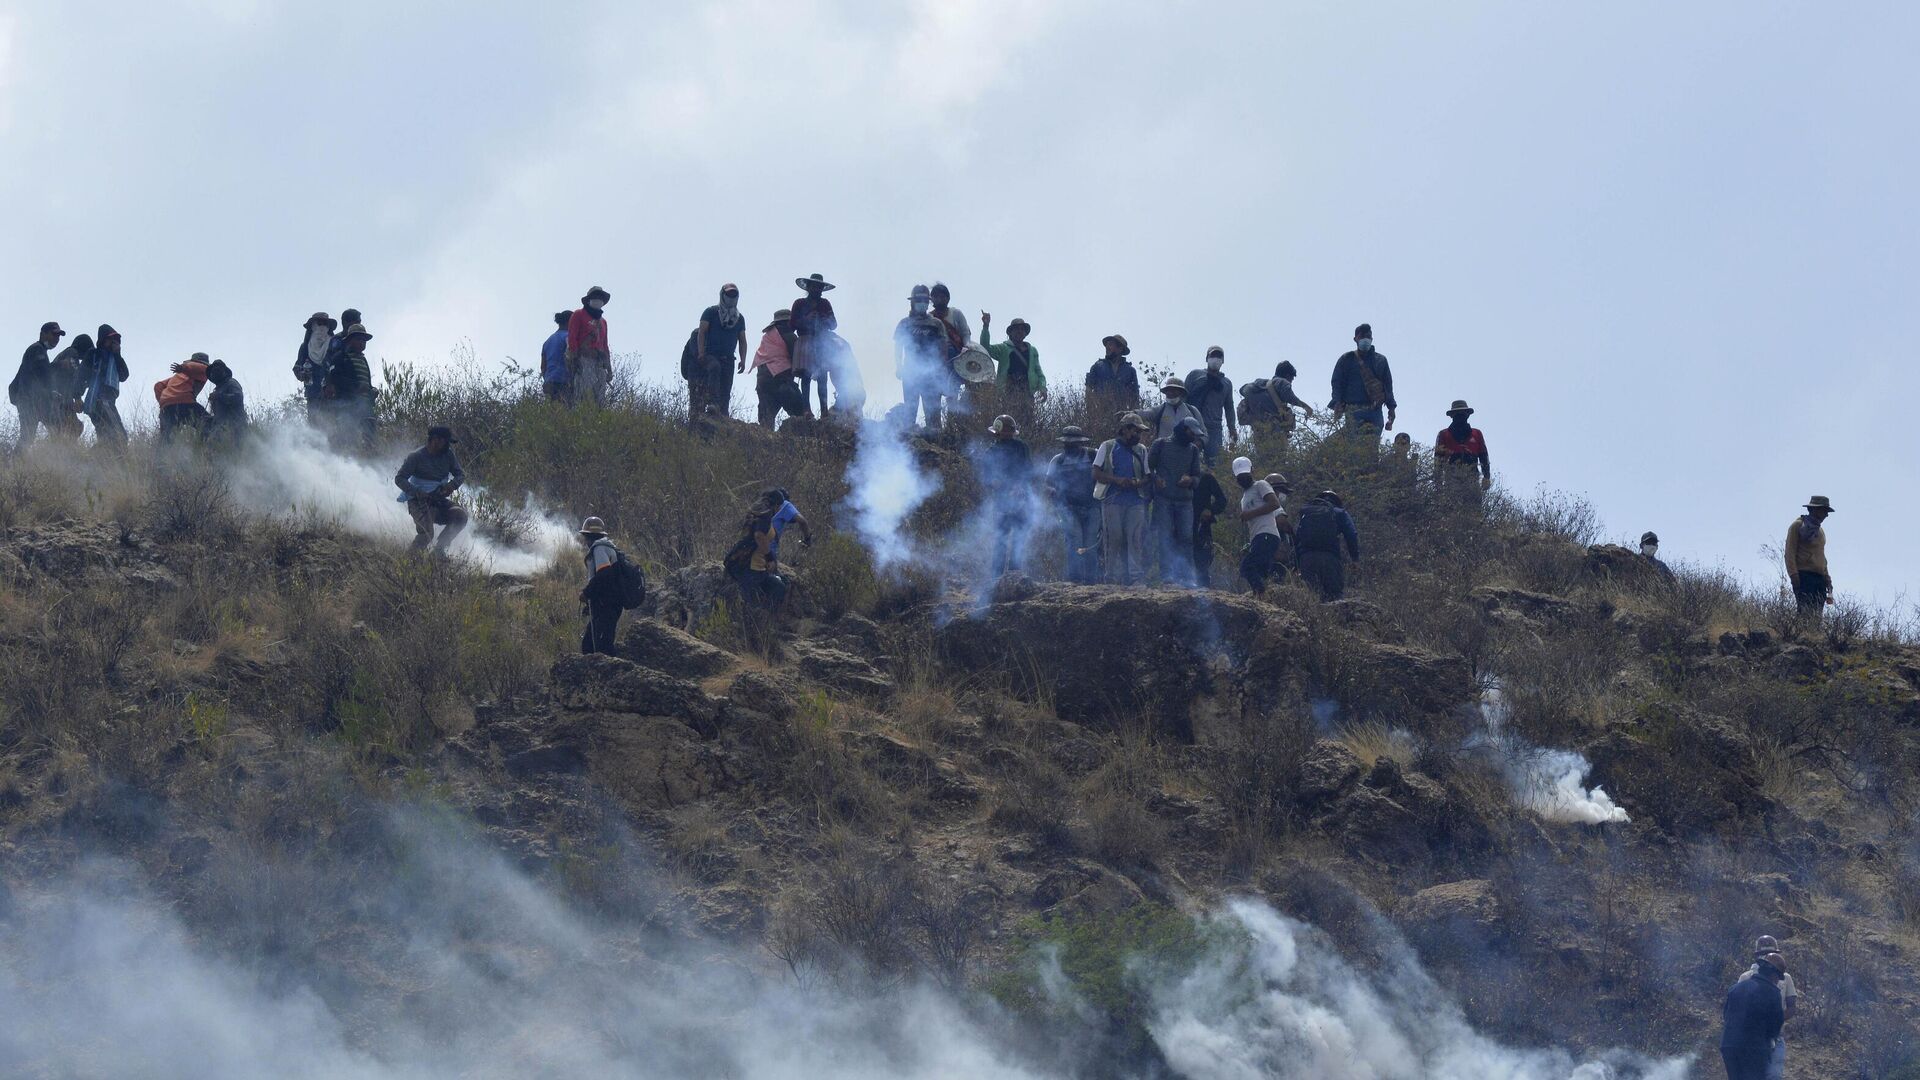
(1371, 740)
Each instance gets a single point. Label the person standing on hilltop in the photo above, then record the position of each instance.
(311, 362)
(31, 390)
(106, 370)
(1266, 407)
(1176, 463)
(1363, 386)
(1113, 386)
(350, 392)
(1122, 483)
(1323, 527)
(920, 361)
(427, 479)
(227, 402)
(1210, 393)
(179, 398)
(1006, 471)
(1264, 514)
(556, 379)
(1458, 450)
(70, 385)
(1070, 482)
(1209, 502)
(1806, 552)
(589, 358)
(1751, 1019)
(722, 332)
(1017, 373)
(773, 382)
(1165, 418)
(813, 318)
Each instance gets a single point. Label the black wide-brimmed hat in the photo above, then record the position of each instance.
(813, 279)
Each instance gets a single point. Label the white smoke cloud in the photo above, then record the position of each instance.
(1551, 783)
(885, 486)
(1284, 1005)
(286, 470)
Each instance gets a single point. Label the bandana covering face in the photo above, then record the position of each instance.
(729, 309)
(318, 338)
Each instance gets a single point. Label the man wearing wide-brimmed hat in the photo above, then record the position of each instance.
(1165, 418)
(310, 363)
(1806, 552)
(350, 393)
(813, 319)
(1113, 385)
(1458, 444)
(1017, 375)
(920, 360)
(1123, 485)
(589, 357)
(1070, 482)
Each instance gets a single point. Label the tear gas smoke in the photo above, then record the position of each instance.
(885, 486)
(1284, 1005)
(1551, 783)
(287, 470)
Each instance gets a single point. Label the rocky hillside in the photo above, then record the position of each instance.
(1577, 789)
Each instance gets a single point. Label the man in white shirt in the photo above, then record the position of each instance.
(1261, 509)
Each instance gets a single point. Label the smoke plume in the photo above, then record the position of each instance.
(1551, 783)
(885, 486)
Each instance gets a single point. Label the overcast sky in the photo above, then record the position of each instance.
(1667, 250)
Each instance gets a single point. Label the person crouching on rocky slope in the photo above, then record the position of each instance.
(754, 560)
(427, 480)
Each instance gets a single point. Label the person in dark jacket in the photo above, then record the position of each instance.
(70, 367)
(721, 333)
(1070, 482)
(1113, 386)
(1006, 472)
(1751, 1019)
(600, 597)
(179, 398)
(31, 390)
(813, 323)
(310, 364)
(1363, 386)
(427, 479)
(105, 372)
(227, 403)
(1266, 407)
(556, 379)
(1323, 527)
(1210, 392)
(1176, 464)
(1209, 502)
(1458, 450)
(350, 392)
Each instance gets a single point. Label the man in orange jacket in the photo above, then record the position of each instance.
(179, 396)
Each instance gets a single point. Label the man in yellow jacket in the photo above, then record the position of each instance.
(1806, 550)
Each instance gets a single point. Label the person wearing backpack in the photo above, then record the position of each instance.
(1324, 525)
(1070, 482)
(1266, 406)
(601, 599)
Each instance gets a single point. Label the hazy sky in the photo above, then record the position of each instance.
(1665, 249)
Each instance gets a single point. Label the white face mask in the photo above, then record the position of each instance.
(1649, 549)
(1364, 344)
(919, 306)
(595, 305)
(1214, 362)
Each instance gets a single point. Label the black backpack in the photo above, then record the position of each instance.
(629, 581)
(1318, 530)
(690, 365)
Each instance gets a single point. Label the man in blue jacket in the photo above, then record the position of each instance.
(1751, 1020)
(555, 379)
(1323, 527)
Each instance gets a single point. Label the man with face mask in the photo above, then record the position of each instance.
(1650, 551)
(589, 358)
(311, 362)
(1806, 552)
(1112, 383)
(1176, 463)
(1457, 451)
(1265, 517)
(1166, 417)
(1211, 395)
(1362, 386)
(920, 359)
(721, 333)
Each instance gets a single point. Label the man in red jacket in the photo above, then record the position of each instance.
(1461, 444)
(588, 359)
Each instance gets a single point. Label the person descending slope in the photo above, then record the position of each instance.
(69, 375)
(1263, 513)
(1362, 386)
(589, 356)
(1210, 393)
(754, 560)
(1457, 451)
(1266, 406)
(1323, 527)
(1751, 1018)
(1789, 1001)
(1806, 552)
(106, 370)
(614, 584)
(427, 479)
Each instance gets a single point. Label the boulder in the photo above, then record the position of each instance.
(1399, 679)
(610, 684)
(652, 643)
(1469, 903)
(81, 553)
(1104, 656)
(840, 670)
(1537, 606)
(1329, 770)
(1797, 663)
(649, 762)
(771, 696)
